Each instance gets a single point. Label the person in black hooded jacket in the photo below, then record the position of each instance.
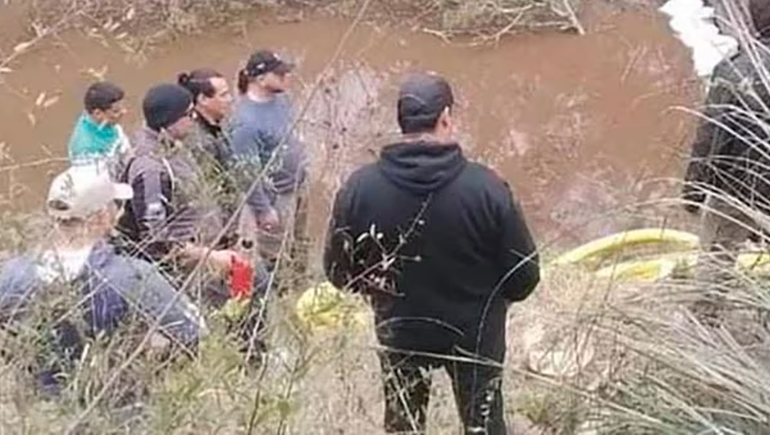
(441, 249)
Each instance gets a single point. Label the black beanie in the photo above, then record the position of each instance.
(165, 104)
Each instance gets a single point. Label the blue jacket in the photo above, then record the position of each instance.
(111, 288)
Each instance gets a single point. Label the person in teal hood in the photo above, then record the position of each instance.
(98, 137)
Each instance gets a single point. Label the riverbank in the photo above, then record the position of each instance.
(483, 20)
(584, 128)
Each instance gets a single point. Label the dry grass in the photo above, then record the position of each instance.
(660, 368)
(324, 383)
(182, 16)
(483, 20)
(320, 384)
(584, 356)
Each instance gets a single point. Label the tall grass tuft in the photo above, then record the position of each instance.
(662, 367)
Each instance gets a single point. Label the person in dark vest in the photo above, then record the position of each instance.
(441, 248)
(210, 143)
(727, 180)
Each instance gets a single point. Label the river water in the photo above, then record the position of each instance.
(579, 125)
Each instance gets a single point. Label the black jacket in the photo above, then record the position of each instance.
(730, 155)
(439, 245)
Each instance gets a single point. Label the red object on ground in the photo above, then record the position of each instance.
(241, 278)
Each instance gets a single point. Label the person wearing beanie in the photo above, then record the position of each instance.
(174, 218)
(169, 107)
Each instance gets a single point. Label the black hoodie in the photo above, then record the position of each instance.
(439, 245)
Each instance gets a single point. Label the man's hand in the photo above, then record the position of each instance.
(269, 220)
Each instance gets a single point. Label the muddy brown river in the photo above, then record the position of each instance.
(580, 125)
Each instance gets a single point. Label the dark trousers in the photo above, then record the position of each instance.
(407, 381)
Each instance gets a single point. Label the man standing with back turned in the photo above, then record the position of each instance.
(441, 249)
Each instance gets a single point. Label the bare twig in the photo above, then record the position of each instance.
(573, 17)
(40, 36)
(33, 164)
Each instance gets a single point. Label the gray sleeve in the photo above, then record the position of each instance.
(247, 167)
(157, 301)
(151, 206)
(294, 162)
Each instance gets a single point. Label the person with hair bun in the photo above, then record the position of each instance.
(212, 99)
(263, 138)
(209, 141)
(209, 144)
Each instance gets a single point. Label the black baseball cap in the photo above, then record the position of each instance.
(424, 96)
(265, 61)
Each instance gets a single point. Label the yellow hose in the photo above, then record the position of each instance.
(601, 248)
(646, 270)
(753, 260)
(661, 267)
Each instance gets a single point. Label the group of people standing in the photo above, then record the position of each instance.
(163, 223)
(209, 195)
(150, 226)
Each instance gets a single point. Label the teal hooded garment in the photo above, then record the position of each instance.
(90, 140)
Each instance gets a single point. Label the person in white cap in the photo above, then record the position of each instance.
(84, 203)
(78, 271)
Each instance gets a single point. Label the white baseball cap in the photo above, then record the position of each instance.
(83, 190)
